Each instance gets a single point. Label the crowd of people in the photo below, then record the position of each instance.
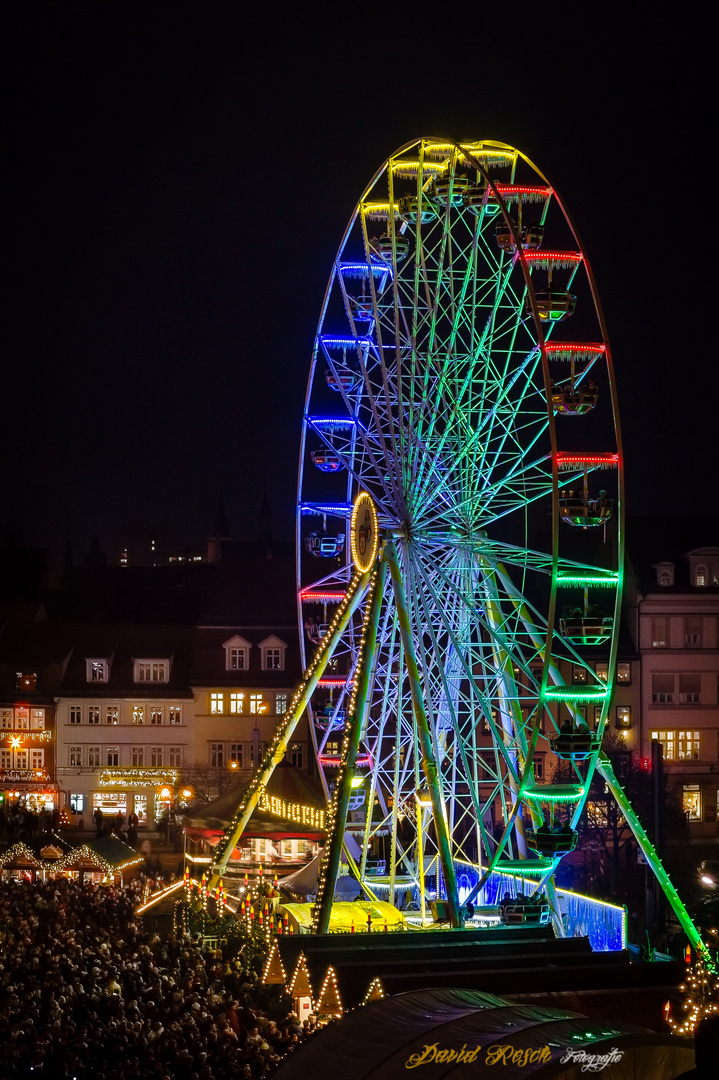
(86, 991)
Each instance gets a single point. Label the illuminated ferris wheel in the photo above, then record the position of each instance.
(461, 379)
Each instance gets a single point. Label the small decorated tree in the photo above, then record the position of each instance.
(701, 996)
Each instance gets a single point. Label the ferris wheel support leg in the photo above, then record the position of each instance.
(353, 729)
(278, 747)
(551, 891)
(604, 766)
(429, 763)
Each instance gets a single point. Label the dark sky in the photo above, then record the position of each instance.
(181, 175)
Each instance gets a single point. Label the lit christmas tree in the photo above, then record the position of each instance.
(701, 996)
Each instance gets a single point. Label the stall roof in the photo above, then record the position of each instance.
(387, 1038)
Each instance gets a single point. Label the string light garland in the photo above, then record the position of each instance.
(701, 997)
(329, 1002)
(375, 991)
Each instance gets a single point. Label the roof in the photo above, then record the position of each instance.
(651, 540)
(417, 1026)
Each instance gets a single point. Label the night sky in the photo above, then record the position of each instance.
(181, 175)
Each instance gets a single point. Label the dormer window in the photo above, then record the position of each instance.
(151, 671)
(237, 654)
(26, 680)
(665, 574)
(700, 578)
(96, 670)
(273, 654)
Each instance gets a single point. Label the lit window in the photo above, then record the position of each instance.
(76, 714)
(5, 759)
(96, 670)
(174, 754)
(624, 674)
(662, 689)
(217, 755)
(93, 714)
(700, 578)
(579, 674)
(93, 756)
(659, 632)
(669, 742)
(75, 756)
(692, 802)
(26, 680)
(257, 703)
(175, 714)
(113, 755)
(151, 671)
(6, 720)
(38, 719)
(690, 688)
(602, 670)
(138, 714)
(156, 714)
(156, 756)
(280, 704)
(689, 745)
(77, 802)
(237, 702)
(138, 756)
(624, 716)
(236, 756)
(22, 719)
(37, 759)
(217, 703)
(112, 714)
(21, 759)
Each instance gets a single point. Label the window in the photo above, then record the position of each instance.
(138, 714)
(237, 660)
(93, 756)
(155, 671)
(21, 759)
(75, 756)
(700, 578)
(539, 766)
(669, 742)
(5, 759)
(138, 756)
(260, 752)
(579, 674)
(156, 714)
(273, 654)
(237, 654)
(96, 670)
(156, 756)
(77, 802)
(217, 703)
(93, 714)
(693, 631)
(602, 670)
(692, 802)
(113, 755)
(37, 759)
(689, 745)
(217, 755)
(597, 716)
(662, 689)
(237, 702)
(6, 721)
(624, 716)
(624, 674)
(76, 714)
(690, 688)
(38, 719)
(280, 704)
(112, 714)
(174, 756)
(257, 704)
(659, 632)
(175, 715)
(26, 680)
(236, 756)
(296, 755)
(22, 719)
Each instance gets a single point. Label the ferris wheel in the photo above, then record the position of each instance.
(461, 383)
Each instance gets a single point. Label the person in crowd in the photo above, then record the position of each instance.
(87, 991)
